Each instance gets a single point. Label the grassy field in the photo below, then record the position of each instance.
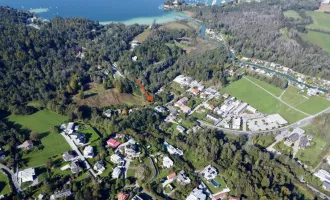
(4, 184)
(320, 20)
(312, 155)
(97, 96)
(264, 141)
(213, 189)
(53, 143)
(271, 88)
(176, 25)
(291, 13)
(261, 100)
(320, 39)
(310, 105)
(143, 36)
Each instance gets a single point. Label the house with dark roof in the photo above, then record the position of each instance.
(69, 156)
(75, 167)
(326, 185)
(291, 139)
(182, 178)
(79, 138)
(99, 166)
(304, 142)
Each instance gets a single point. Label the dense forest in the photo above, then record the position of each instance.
(254, 30)
(35, 63)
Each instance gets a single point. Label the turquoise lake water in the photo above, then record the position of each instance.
(126, 11)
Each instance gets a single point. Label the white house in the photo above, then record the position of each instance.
(69, 128)
(115, 158)
(26, 175)
(116, 172)
(209, 172)
(88, 152)
(167, 162)
(99, 166)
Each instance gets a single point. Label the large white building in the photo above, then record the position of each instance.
(88, 152)
(115, 158)
(209, 172)
(116, 172)
(167, 162)
(26, 175)
(196, 194)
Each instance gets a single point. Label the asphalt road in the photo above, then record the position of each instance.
(13, 178)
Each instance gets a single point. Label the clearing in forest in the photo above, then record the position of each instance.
(320, 20)
(291, 13)
(318, 38)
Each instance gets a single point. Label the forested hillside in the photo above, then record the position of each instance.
(254, 30)
(37, 63)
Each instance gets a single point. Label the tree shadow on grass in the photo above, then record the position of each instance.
(2, 185)
(43, 135)
(90, 95)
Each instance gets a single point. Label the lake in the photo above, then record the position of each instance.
(105, 11)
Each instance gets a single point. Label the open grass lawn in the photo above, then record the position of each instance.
(53, 143)
(261, 100)
(265, 141)
(284, 149)
(291, 13)
(271, 88)
(320, 39)
(312, 156)
(90, 133)
(320, 20)
(310, 105)
(213, 189)
(4, 184)
(143, 36)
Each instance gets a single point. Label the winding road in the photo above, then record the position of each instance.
(13, 178)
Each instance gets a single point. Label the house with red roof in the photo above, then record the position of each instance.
(219, 196)
(113, 143)
(122, 196)
(170, 176)
(233, 198)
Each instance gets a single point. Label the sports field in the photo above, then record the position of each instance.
(320, 20)
(53, 143)
(261, 100)
(291, 13)
(311, 105)
(320, 39)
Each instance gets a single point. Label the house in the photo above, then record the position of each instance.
(116, 172)
(88, 152)
(182, 178)
(76, 128)
(171, 176)
(197, 194)
(134, 58)
(69, 156)
(326, 185)
(2, 154)
(113, 143)
(115, 158)
(160, 109)
(291, 139)
(323, 175)
(132, 149)
(69, 128)
(225, 95)
(41, 196)
(122, 196)
(236, 123)
(309, 137)
(78, 138)
(233, 198)
(167, 162)
(61, 195)
(219, 196)
(303, 143)
(209, 172)
(107, 113)
(137, 197)
(185, 109)
(210, 91)
(208, 106)
(26, 175)
(240, 109)
(213, 117)
(196, 128)
(99, 166)
(251, 109)
(120, 135)
(203, 95)
(172, 150)
(180, 102)
(299, 131)
(195, 91)
(181, 129)
(75, 167)
(27, 145)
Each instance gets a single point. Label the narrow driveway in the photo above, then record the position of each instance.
(81, 157)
